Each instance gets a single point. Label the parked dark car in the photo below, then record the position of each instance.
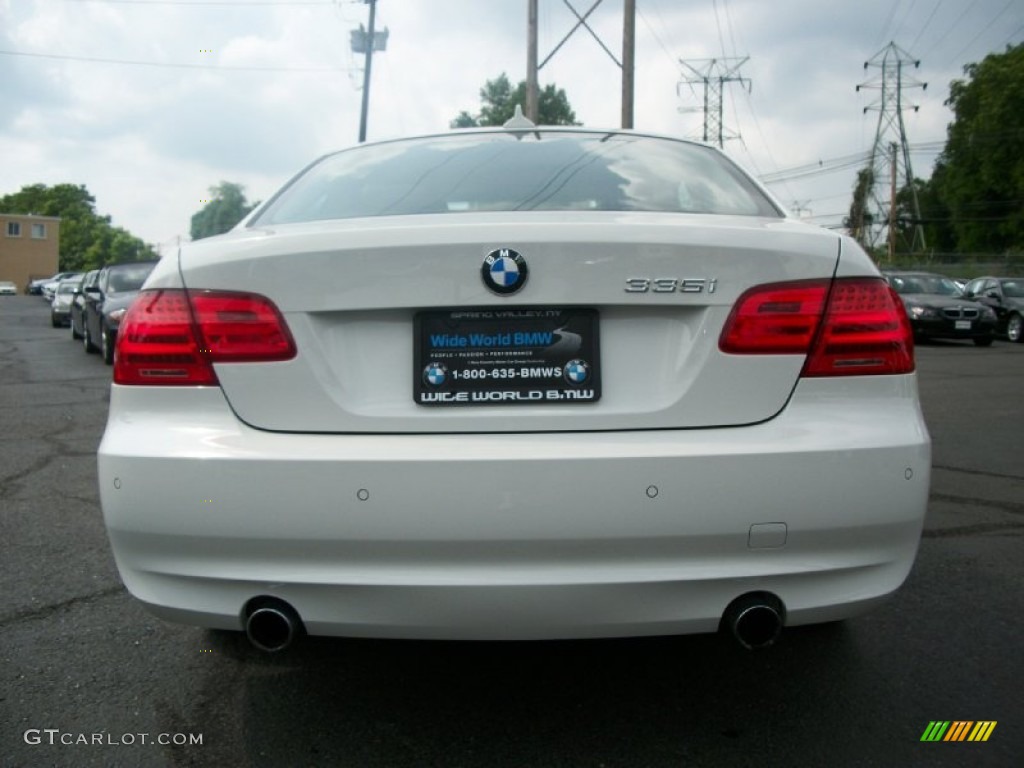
(1005, 295)
(107, 301)
(60, 306)
(938, 309)
(77, 314)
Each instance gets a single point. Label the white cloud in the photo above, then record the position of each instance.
(149, 141)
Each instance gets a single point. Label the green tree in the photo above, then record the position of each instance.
(982, 179)
(226, 208)
(858, 223)
(87, 239)
(498, 100)
(939, 234)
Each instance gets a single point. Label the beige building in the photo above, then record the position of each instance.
(29, 247)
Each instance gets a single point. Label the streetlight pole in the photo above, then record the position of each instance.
(531, 62)
(628, 53)
(366, 72)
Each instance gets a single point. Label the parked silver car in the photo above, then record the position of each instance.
(60, 305)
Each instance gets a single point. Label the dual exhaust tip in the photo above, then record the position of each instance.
(271, 624)
(754, 619)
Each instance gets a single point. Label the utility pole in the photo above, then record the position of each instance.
(628, 55)
(366, 73)
(713, 74)
(531, 62)
(892, 200)
(891, 132)
(366, 41)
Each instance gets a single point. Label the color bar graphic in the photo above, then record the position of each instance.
(935, 731)
(982, 730)
(958, 730)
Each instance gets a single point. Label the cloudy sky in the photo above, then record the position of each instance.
(150, 102)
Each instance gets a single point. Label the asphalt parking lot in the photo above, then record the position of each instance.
(89, 678)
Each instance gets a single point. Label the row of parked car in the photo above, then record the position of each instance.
(93, 303)
(981, 309)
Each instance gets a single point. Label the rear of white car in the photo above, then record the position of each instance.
(568, 418)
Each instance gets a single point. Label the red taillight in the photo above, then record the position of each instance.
(171, 337)
(847, 327)
(866, 331)
(775, 319)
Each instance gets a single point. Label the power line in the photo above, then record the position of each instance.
(986, 29)
(827, 165)
(902, 22)
(729, 25)
(169, 65)
(926, 24)
(954, 25)
(718, 25)
(210, 3)
(1014, 34)
(892, 15)
(655, 34)
(821, 168)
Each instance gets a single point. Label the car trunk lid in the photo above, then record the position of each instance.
(365, 299)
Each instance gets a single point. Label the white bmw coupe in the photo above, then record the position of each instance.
(515, 383)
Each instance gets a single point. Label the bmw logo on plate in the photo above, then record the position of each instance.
(504, 271)
(577, 371)
(435, 374)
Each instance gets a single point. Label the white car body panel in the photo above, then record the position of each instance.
(698, 477)
(353, 325)
(516, 536)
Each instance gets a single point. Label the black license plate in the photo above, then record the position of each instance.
(506, 357)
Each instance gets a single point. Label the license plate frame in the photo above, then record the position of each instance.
(506, 356)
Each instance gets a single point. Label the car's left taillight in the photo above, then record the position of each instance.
(850, 326)
(173, 337)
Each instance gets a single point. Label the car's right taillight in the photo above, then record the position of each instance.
(173, 337)
(851, 326)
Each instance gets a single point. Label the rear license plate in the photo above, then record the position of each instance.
(506, 357)
(963, 325)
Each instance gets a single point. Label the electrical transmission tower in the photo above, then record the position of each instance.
(713, 74)
(627, 65)
(889, 161)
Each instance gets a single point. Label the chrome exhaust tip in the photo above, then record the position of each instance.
(272, 625)
(755, 619)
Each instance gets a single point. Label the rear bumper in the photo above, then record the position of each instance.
(516, 536)
(945, 328)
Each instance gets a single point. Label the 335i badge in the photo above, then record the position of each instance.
(506, 356)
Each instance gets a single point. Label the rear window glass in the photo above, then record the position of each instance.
(1013, 289)
(930, 284)
(536, 171)
(128, 277)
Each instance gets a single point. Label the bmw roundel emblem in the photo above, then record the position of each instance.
(577, 371)
(435, 374)
(504, 271)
